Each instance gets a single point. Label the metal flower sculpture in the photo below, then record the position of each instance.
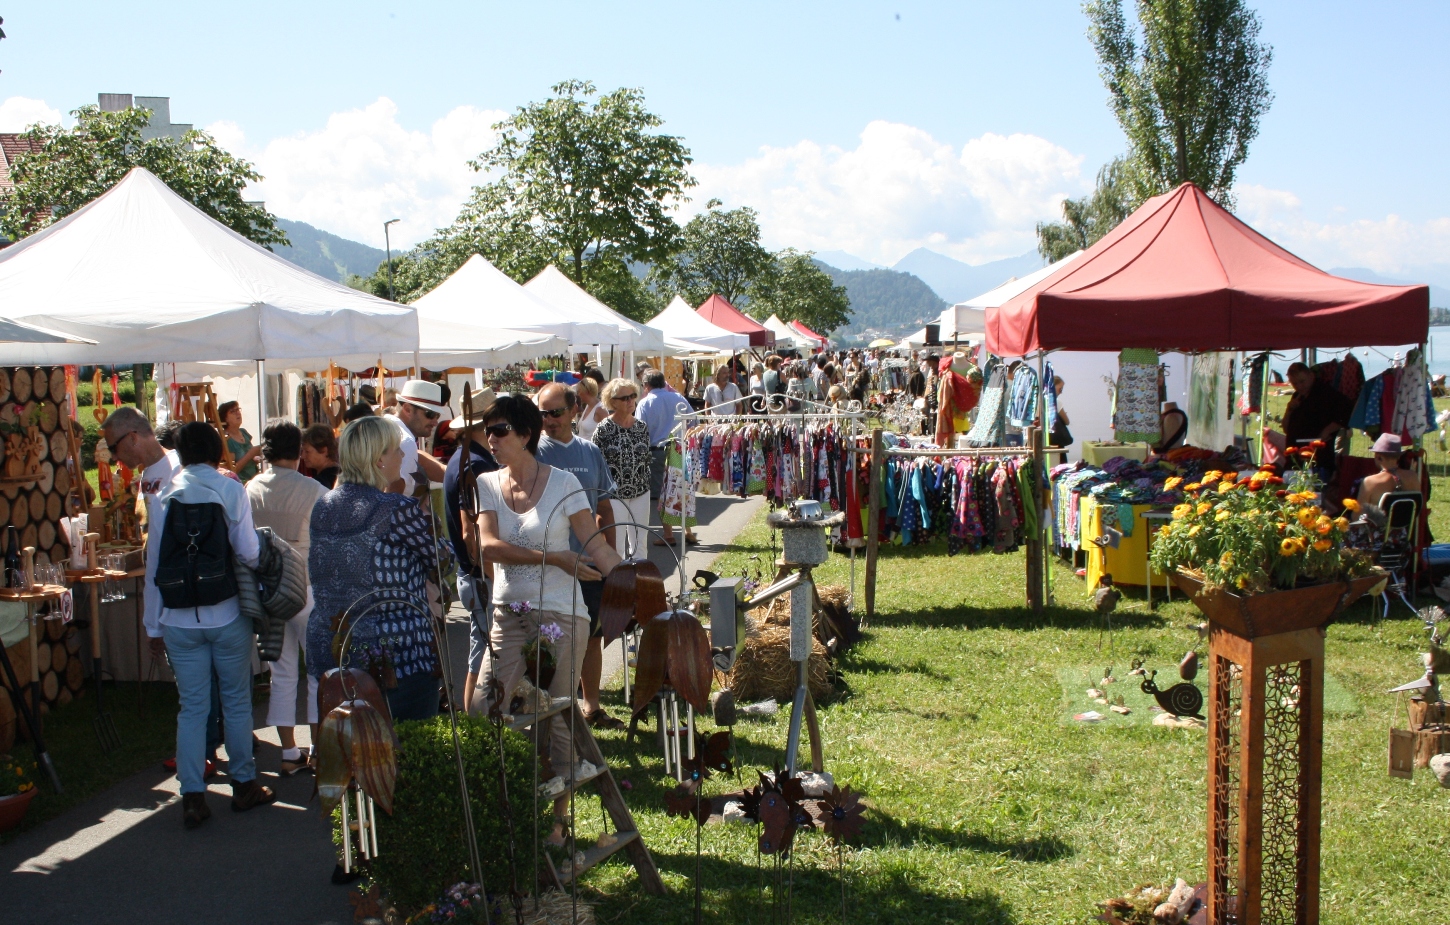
(712, 755)
(842, 814)
(781, 812)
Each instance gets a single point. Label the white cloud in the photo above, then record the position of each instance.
(1390, 245)
(19, 113)
(900, 189)
(364, 168)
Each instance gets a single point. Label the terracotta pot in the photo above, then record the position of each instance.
(545, 674)
(12, 808)
(1252, 615)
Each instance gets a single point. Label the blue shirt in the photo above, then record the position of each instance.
(658, 410)
(585, 462)
(480, 461)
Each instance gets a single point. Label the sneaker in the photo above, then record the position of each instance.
(248, 794)
(194, 810)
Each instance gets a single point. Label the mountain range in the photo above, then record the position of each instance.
(325, 253)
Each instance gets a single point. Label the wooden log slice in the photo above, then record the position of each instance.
(50, 686)
(42, 658)
(58, 553)
(59, 446)
(8, 414)
(62, 482)
(75, 675)
(29, 412)
(73, 643)
(21, 386)
(49, 417)
(47, 477)
(65, 696)
(58, 655)
(54, 507)
(4, 385)
(55, 632)
(40, 382)
(8, 721)
(57, 384)
(36, 502)
(30, 535)
(19, 509)
(4, 510)
(20, 661)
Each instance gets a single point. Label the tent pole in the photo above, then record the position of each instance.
(261, 397)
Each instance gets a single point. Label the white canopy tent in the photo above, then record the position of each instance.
(480, 294)
(786, 337)
(967, 321)
(13, 332)
(682, 322)
(150, 278)
(573, 302)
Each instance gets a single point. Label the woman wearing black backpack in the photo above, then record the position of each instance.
(205, 520)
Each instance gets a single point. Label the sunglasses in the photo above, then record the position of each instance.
(630, 397)
(555, 412)
(499, 430)
(431, 415)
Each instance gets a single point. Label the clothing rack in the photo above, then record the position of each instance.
(1036, 546)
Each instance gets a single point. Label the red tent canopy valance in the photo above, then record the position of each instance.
(1182, 273)
(721, 313)
(808, 333)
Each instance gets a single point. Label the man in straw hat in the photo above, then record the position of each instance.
(420, 405)
(473, 458)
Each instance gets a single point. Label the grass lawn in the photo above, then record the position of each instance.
(988, 807)
(146, 740)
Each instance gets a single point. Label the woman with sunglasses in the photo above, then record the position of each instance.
(624, 440)
(526, 511)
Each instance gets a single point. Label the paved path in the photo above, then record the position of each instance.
(123, 857)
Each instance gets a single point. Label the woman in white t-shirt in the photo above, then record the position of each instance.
(526, 511)
(722, 392)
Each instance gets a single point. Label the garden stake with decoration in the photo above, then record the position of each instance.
(842, 820)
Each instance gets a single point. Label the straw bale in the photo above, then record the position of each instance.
(764, 669)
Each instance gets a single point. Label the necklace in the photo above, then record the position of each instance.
(538, 468)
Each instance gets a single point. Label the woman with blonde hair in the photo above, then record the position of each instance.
(624, 440)
(366, 540)
(591, 409)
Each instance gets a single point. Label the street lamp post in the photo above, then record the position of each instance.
(387, 243)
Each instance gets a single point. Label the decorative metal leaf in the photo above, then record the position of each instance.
(714, 752)
(633, 591)
(691, 670)
(368, 738)
(340, 684)
(649, 672)
(750, 802)
(333, 772)
(842, 814)
(681, 801)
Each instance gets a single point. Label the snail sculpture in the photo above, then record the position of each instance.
(1182, 699)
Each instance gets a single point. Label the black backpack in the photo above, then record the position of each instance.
(194, 568)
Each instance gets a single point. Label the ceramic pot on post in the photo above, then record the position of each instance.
(1265, 746)
(14, 807)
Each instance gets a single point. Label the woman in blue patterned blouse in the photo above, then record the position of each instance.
(366, 540)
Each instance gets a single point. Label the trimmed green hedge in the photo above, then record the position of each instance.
(422, 849)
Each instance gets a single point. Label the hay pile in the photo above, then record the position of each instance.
(554, 909)
(763, 667)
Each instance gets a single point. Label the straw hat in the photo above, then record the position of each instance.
(483, 399)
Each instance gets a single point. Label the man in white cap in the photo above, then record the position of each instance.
(420, 404)
(473, 588)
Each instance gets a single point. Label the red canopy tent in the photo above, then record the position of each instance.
(806, 332)
(721, 313)
(1182, 273)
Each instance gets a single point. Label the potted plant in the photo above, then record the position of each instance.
(1259, 555)
(540, 657)
(17, 789)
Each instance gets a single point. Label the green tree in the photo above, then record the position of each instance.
(74, 166)
(584, 180)
(1088, 218)
(797, 289)
(719, 252)
(1188, 87)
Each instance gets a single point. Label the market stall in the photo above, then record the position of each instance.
(817, 341)
(786, 338)
(478, 293)
(573, 302)
(721, 313)
(683, 323)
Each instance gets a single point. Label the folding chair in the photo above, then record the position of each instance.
(1397, 551)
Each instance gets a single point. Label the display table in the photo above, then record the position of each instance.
(1128, 564)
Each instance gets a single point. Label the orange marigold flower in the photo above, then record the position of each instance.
(1172, 483)
(1212, 476)
(1351, 505)
(1341, 524)
(1193, 486)
(1288, 547)
(1323, 545)
(1204, 507)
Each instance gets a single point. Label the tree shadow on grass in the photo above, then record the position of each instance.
(742, 892)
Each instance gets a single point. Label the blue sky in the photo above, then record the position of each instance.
(865, 127)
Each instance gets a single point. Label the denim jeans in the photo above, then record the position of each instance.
(194, 655)
(473, 594)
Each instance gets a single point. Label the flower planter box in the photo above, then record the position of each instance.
(1254, 615)
(12, 808)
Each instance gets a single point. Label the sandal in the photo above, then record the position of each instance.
(598, 719)
(692, 540)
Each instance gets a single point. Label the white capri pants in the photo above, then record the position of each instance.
(632, 542)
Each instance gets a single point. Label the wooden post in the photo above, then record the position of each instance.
(1265, 756)
(1034, 540)
(873, 521)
